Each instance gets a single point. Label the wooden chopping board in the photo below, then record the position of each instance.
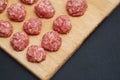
(82, 27)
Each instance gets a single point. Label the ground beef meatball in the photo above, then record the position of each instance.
(51, 41)
(76, 7)
(45, 9)
(6, 28)
(36, 54)
(32, 26)
(3, 5)
(30, 2)
(19, 41)
(62, 24)
(16, 12)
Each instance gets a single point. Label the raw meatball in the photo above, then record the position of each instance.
(6, 28)
(3, 5)
(30, 2)
(36, 54)
(19, 41)
(62, 24)
(51, 41)
(32, 26)
(45, 9)
(16, 12)
(76, 7)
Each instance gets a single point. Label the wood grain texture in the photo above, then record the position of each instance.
(82, 27)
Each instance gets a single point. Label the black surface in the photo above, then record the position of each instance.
(97, 59)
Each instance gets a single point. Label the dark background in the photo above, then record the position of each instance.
(97, 59)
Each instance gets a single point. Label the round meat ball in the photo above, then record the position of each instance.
(3, 5)
(19, 41)
(6, 28)
(76, 8)
(35, 54)
(45, 9)
(62, 24)
(32, 26)
(51, 41)
(30, 2)
(16, 12)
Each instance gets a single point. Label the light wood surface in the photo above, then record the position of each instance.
(82, 27)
